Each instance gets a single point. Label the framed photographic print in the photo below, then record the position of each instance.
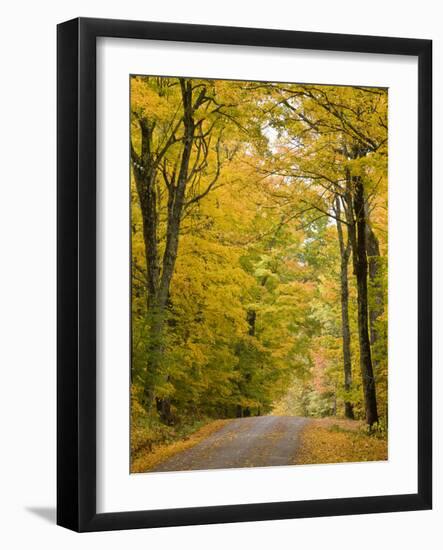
(244, 274)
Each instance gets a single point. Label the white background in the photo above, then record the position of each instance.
(117, 490)
(27, 301)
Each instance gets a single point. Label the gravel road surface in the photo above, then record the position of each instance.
(242, 443)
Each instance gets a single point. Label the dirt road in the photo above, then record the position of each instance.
(242, 443)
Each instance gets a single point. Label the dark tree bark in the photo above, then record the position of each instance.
(345, 250)
(145, 181)
(251, 317)
(164, 410)
(358, 237)
(376, 303)
(376, 306)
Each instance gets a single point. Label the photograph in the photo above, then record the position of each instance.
(259, 273)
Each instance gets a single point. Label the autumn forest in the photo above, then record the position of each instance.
(259, 239)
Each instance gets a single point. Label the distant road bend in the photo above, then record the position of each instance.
(242, 443)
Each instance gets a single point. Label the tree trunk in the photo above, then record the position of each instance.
(145, 184)
(344, 297)
(164, 410)
(145, 172)
(376, 306)
(176, 201)
(376, 303)
(251, 316)
(360, 263)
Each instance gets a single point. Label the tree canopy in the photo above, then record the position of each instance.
(259, 250)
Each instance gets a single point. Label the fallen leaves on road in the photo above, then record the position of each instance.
(330, 440)
(147, 459)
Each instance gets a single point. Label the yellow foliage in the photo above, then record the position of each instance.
(148, 456)
(330, 440)
(253, 306)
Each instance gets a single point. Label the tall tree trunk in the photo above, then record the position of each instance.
(376, 303)
(251, 316)
(344, 296)
(176, 197)
(357, 233)
(145, 184)
(164, 410)
(159, 281)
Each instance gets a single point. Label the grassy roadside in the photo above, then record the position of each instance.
(144, 458)
(331, 440)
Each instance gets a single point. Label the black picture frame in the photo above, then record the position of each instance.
(76, 266)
